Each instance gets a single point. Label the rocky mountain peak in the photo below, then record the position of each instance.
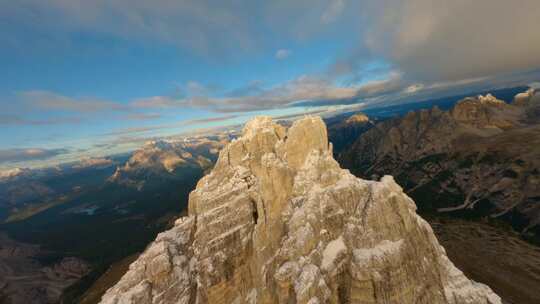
(489, 98)
(474, 104)
(258, 124)
(278, 221)
(165, 160)
(527, 98)
(357, 118)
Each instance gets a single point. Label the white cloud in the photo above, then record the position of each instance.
(334, 10)
(46, 100)
(155, 102)
(143, 116)
(453, 40)
(16, 120)
(283, 54)
(204, 26)
(191, 122)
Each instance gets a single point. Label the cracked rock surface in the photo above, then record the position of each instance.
(278, 221)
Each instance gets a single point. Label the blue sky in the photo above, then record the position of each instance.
(88, 78)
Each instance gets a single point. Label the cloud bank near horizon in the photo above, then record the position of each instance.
(29, 154)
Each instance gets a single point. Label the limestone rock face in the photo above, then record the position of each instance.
(278, 221)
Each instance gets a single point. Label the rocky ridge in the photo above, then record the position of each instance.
(480, 158)
(278, 221)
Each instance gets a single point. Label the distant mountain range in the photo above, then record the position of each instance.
(479, 159)
(84, 216)
(157, 161)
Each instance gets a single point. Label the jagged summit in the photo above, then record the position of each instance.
(278, 221)
(357, 118)
(489, 98)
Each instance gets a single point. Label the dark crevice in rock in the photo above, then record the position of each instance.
(255, 213)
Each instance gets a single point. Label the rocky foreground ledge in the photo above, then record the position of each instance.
(278, 221)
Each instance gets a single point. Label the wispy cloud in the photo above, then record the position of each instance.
(283, 54)
(46, 100)
(61, 109)
(209, 119)
(155, 102)
(17, 120)
(29, 154)
(302, 88)
(203, 26)
(132, 130)
(306, 90)
(191, 122)
(334, 10)
(143, 116)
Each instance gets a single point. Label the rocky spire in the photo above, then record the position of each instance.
(278, 221)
